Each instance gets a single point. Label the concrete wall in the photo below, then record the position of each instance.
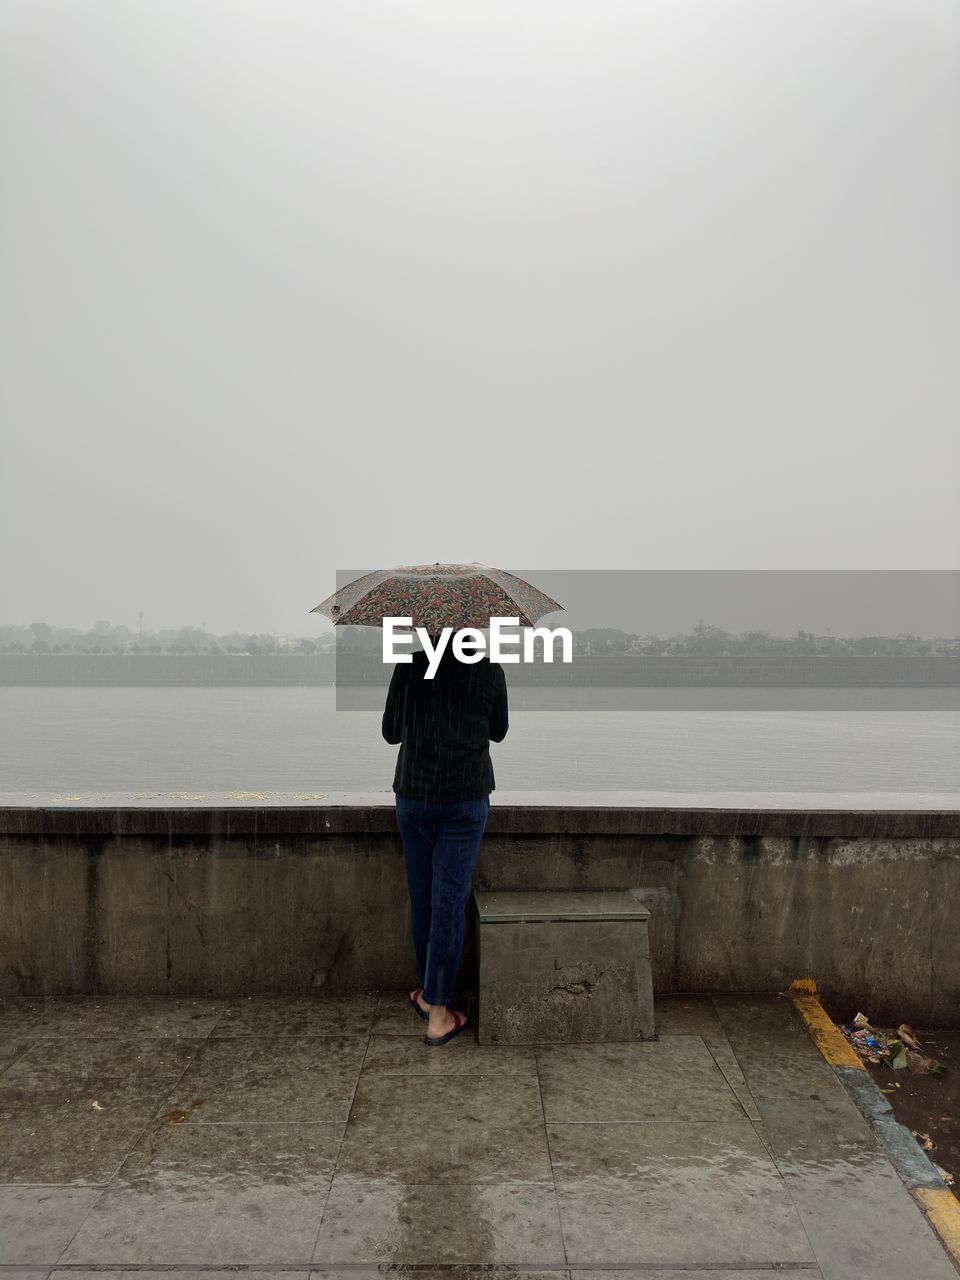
(155, 898)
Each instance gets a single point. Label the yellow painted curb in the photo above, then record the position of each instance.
(941, 1206)
(831, 1042)
(943, 1210)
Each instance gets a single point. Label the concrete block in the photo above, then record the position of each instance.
(563, 967)
(650, 864)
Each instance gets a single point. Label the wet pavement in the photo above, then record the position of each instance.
(929, 1106)
(307, 1135)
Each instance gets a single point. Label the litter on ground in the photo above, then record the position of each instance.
(898, 1049)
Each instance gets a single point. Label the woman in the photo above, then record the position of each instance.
(443, 781)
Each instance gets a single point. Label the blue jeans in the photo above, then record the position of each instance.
(440, 843)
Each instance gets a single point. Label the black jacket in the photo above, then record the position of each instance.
(445, 726)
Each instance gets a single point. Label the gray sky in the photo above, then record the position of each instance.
(290, 285)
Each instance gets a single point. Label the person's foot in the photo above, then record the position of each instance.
(416, 997)
(443, 1024)
(442, 1020)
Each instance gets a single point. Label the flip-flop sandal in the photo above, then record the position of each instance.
(461, 1023)
(413, 1001)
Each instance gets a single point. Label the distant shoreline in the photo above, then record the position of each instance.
(317, 670)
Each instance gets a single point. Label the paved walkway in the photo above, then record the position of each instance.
(298, 1135)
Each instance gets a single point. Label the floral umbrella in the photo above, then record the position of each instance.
(437, 596)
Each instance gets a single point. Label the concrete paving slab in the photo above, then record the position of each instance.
(285, 1078)
(129, 1057)
(616, 1221)
(266, 1016)
(496, 1100)
(764, 1017)
(776, 1054)
(278, 1154)
(687, 1015)
(406, 1056)
(862, 1221)
(696, 1015)
(800, 1270)
(673, 1193)
(657, 1151)
(676, 1077)
(33, 1094)
(395, 1017)
(459, 1129)
(148, 1016)
(814, 1129)
(37, 1223)
(773, 1074)
(207, 1194)
(170, 1274)
(23, 1017)
(375, 1221)
(13, 1046)
(726, 1060)
(70, 1146)
(426, 1273)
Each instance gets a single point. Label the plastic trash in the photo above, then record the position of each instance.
(900, 1050)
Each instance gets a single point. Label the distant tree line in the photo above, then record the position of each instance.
(704, 641)
(104, 637)
(712, 642)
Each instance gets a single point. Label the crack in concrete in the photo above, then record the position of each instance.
(196, 914)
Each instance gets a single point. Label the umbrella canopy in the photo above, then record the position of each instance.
(437, 596)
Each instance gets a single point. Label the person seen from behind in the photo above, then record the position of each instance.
(443, 780)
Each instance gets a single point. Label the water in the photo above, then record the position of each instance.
(291, 739)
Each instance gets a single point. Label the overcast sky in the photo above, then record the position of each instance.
(292, 285)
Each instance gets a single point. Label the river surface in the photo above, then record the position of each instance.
(292, 739)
